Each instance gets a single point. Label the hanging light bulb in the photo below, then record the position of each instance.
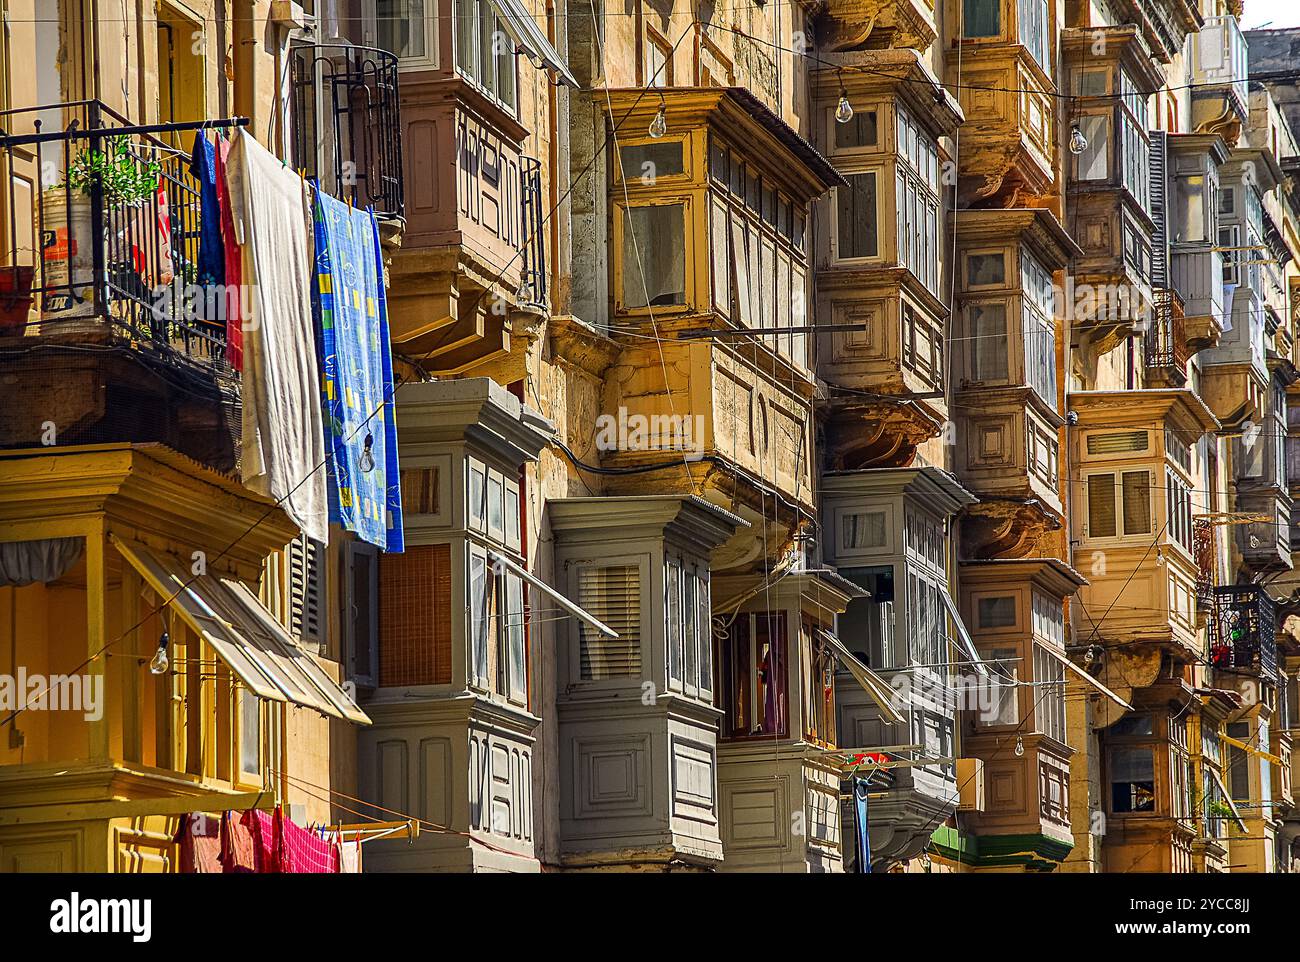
(524, 293)
(1160, 556)
(1020, 747)
(659, 126)
(1078, 142)
(159, 662)
(843, 109)
(367, 460)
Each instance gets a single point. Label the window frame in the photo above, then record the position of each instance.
(429, 60)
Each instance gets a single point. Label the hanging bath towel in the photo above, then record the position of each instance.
(356, 375)
(282, 437)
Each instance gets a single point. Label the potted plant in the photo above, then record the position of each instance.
(123, 181)
(15, 297)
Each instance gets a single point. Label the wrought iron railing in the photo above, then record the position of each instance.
(1243, 630)
(1164, 345)
(346, 123)
(533, 278)
(101, 232)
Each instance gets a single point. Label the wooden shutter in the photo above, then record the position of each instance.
(1158, 211)
(612, 593)
(1101, 506)
(415, 616)
(306, 589)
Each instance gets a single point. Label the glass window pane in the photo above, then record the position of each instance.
(654, 256)
(981, 18)
(988, 344)
(983, 270)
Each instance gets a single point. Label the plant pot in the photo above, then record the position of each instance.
(15, 298)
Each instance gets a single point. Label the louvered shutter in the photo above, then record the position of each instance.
(305, 589)
(1101, 506)
(612, 593)
(1160, 237)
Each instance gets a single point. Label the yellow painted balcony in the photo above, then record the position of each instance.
(1138, 468)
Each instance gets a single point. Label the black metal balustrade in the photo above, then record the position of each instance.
(1243, 630)
(1164, 346)
(346, 124)
(533, 283)
(101, 234)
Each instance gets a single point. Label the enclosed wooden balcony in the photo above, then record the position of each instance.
(1007, 92)
(1138, 463)
(1220, 73)
(1006, 403)
(1112, 201)
(1191, 189)
(472, 268)
(1015, 613)
(878, 264)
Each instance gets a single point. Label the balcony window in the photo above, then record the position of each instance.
(497, 649)
(753, 675)
(917, 201)
(1135, 158)
(1094, 162)
(1119, 504)
(856, 218)
(1004, 707)
(1054, 794)
(1049, 619)
(863, 130)
(1039, 329)
(981, 18)
(485, 50)
(987, 324)
(612, 594)
(1195, 209)
(404, 28)
(1178, 507)
(819, 688)
(654, 256)
(1049, 698)
(986, 269)
(1132, 780)
(758, 250)
(1035, 27)
(688, 629)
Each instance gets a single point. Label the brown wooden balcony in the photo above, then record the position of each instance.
(472, 264)
(99, 232)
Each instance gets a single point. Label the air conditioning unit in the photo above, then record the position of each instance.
(970, 782)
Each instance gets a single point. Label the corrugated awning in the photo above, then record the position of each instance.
(528, 33)
(254, 645)
(871, 683)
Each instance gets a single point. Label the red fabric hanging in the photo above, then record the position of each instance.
(302, 851)
(199, 842)
(234, 262)
(238, 853)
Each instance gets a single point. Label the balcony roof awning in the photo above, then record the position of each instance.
(964, 640)
(1065, 660)
(528, 33)
(871, 683)
(253, 644)
(497, 558)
